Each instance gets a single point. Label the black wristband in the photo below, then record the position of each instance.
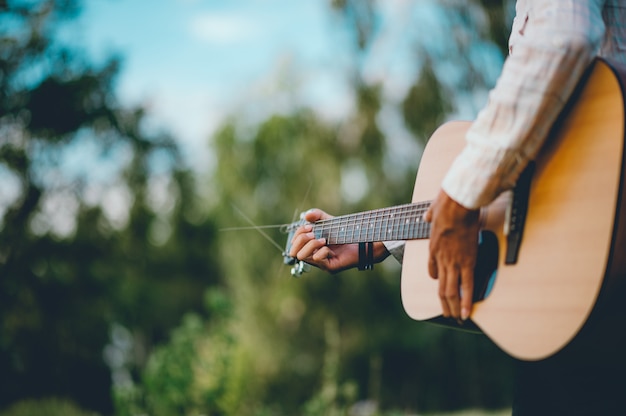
(366, 256)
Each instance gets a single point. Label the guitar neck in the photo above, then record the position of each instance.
(403, 222)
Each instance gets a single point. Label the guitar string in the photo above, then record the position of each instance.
(263, 233)
(387, 219)
(374, 215)
(254, 227)
(259, 228)
(375, 225)
(379, 213)
(411, 214)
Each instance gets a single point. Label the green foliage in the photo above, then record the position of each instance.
(114, 239)
(426, 104)
(371, 352)
(48, 407)
(201, 370)
(333, 398)
(133, 249)
(499, 13)
(321, 344)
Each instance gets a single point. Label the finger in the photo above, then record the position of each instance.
(323, 254)
(467, 289)
(315, 214)
(428, 215)
(442, 290)
(452, 291)
(297, 240)
(307, 228)
(430, 212)
(300, 239)
(310, 248)
(432, 267)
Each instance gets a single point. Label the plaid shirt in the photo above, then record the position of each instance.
(551, 44)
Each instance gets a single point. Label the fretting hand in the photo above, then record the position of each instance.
(331, 258)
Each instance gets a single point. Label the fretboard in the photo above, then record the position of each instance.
(402, 222)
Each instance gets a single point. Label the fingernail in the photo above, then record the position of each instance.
(464, 313)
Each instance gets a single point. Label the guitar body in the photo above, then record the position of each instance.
(573, 242)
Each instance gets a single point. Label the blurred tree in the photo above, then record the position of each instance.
(333, 341)
(500, 13)
(100, 221)
(296, 160)
(321, 344)
(456, 55)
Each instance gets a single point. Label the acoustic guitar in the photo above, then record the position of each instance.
(547, 248)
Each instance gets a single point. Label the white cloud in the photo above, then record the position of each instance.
(192, 116)
(221, 29)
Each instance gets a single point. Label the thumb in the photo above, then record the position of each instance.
(315, 214)
(428, 215)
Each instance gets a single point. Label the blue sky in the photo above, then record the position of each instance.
(193, 62)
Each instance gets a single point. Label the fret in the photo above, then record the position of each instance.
(404, 222)
(353, 229)
(341, 232)
(366, 225)
(410, 226)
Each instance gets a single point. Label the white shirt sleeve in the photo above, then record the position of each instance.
(396, 249)
(552, 43)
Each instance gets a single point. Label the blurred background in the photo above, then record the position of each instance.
(139, 139)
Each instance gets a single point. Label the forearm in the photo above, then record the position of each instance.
(536, 81)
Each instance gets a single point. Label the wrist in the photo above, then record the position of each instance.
(380, 252)
(370, 253)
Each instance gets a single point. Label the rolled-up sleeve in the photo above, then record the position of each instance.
(552, 43)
